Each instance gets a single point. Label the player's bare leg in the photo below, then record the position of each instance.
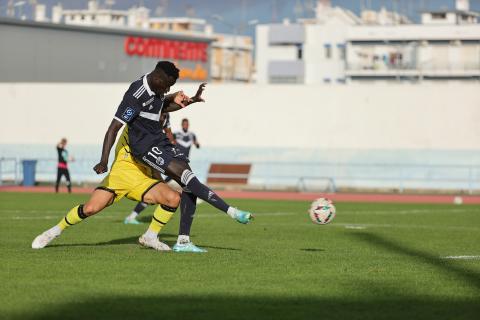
(169, 201)
(98, 201)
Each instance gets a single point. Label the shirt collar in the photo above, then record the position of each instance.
(147, 87)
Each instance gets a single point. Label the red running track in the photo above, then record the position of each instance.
(299, 196)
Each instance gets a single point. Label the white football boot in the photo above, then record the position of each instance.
(153, 243)
(44, 239)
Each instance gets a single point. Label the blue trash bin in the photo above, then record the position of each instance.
(29, 168)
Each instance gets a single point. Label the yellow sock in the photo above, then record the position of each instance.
(74, 216)
(161, 216)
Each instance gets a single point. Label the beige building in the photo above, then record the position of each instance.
(231, 55)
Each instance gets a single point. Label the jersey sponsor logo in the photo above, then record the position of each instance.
(148, 102)
(128, 114)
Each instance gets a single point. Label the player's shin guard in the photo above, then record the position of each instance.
(74, 216)
(202, 191)
(188, 205)
(161, 216)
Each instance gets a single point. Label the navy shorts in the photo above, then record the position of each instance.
(158, 157)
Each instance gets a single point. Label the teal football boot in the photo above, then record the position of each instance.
(130, 221)
(187, 247)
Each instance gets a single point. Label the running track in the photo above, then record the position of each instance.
(299, 196)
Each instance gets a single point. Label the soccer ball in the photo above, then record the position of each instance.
(322, 211)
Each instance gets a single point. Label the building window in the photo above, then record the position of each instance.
(439, 16)
(299, 52)
(342, 51)
(328, 51)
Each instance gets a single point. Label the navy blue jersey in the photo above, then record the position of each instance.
(165, 120)
(141, 109)
(185, 140)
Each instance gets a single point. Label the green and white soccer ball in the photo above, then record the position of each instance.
(322, 211)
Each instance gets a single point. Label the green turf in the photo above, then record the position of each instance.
(374, 261)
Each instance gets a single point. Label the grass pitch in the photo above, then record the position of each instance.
(374, 261)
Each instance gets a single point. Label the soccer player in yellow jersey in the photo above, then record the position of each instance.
(148, 154)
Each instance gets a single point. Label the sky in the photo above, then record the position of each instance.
(237, 13)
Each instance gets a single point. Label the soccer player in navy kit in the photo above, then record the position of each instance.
(147, 152)
(185, 139)
(165, 123)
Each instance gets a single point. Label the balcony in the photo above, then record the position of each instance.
(381, 69)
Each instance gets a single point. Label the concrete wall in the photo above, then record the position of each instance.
(379, 116)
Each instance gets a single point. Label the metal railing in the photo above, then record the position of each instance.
(9, 170)
(302, 176)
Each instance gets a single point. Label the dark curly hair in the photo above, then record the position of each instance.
(169, 68)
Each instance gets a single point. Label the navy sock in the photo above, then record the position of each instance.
(140, 207)
(188, 205)
(202, 191)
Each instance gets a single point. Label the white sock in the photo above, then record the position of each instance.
(150, 234)
(183, 239)
(231, 212)
(55, 230)
(132, 215)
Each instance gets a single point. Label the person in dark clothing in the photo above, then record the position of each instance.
(62, 166)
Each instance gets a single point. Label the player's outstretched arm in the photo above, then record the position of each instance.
(108, 142)
(179, 100)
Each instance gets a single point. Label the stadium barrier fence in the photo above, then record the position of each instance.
(301, 176)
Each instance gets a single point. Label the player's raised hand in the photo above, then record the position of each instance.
(182, 99)
(100, 168)
(198, 95)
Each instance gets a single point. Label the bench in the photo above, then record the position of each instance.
(228, 173)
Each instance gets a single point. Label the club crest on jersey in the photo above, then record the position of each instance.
(160, 161)
(128, 114)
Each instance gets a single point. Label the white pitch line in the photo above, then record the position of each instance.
(198, 215)
(400, 226)
(263, 214)
(461, 257)
(404, 212)
(355, 227)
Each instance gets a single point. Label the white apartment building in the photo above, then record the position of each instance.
(338, 46)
